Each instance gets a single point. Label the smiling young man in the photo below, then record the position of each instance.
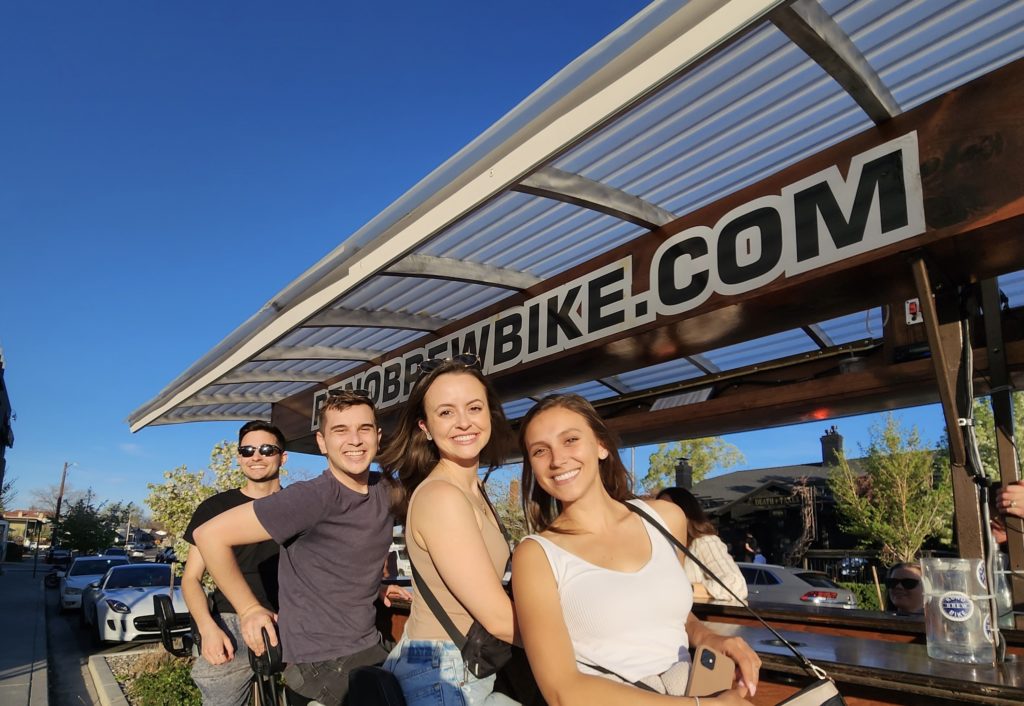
(334, 532)
(222, 669)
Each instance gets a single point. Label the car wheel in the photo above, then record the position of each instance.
(82, 622)
(97, 634)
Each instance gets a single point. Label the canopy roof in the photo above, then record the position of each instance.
(686, 107)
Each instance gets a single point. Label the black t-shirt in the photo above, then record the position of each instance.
(258, 562)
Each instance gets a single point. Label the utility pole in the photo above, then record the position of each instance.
(60, 499)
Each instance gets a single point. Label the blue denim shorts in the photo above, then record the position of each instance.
(432, 673)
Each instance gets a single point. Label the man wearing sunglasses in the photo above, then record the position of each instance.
(222, 670)
(335, 532)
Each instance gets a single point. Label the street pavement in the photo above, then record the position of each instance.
(23, 673)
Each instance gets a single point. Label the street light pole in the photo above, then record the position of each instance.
(60, 499)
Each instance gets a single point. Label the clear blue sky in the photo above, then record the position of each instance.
(166, 168)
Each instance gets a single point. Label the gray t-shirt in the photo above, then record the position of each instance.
(333, 545)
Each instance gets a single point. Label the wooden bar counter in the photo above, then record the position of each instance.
(875, 658)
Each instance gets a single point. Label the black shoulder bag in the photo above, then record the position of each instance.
(482, 652)
(822, 691)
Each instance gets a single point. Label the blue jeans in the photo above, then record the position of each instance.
(432, 673)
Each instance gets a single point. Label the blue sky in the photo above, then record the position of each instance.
(166, 168)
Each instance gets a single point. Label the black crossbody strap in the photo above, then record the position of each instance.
(435, 607)
(639, 684)
(804, 662)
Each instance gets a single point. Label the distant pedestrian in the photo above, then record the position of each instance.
(702, 539)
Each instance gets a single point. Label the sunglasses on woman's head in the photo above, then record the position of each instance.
(905, 584)
(264, 449)
(470, 360)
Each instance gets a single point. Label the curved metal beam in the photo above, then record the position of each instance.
(272, 376)
(236, 398)
(375, 319)
(317, 353)
(219, 417)
(556, 184)
(462, 271)
(812, 29)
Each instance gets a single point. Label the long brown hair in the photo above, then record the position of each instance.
(697, 522)
(408, 456)
(541, 509)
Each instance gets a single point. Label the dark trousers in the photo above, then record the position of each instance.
(327, 682)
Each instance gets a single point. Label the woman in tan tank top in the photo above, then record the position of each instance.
(451, 423)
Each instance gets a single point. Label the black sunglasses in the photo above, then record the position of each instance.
(264, 449)
(905, 584)
(469, 360)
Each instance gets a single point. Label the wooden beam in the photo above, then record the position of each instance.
(945, 341)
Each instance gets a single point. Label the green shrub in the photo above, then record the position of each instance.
(15, 552)
(170, 685)
(867, 597)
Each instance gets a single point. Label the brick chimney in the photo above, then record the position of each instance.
(684, 474)
(831, 447)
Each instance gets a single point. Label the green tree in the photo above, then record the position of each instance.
(985, 430)
(508, 506)
(88, 527)
(173, 501)
(903, 498)
(705, 455)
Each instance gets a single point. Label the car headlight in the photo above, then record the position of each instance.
(118, 606)
(69, 591)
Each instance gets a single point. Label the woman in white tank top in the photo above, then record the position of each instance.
(597, 589)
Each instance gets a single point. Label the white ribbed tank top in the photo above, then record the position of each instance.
(633, 623)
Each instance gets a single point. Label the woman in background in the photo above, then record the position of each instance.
(905, 592)
(702, 539)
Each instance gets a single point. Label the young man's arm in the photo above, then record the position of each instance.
(215, 644)
(215, 539)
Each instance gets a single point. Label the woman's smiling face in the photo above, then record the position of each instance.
(456, 415)
(564, 453)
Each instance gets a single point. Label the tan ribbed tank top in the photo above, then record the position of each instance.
(422, 625)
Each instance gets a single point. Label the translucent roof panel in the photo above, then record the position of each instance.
(529, 234)
(661, 374)
(433, 297)
(854, 327)
(760, 350)
(517, 408)
(924, 48)
(745, 114)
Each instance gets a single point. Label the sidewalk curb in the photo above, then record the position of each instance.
(39, 689)
(107, 688)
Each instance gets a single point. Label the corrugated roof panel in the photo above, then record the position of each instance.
(517, 408)
(530, 234)
(923, 49)
(854, 327)
(432, 297)
(349, 337)
(592, 391)
(747, 113)
(661, 374)
(760, 350)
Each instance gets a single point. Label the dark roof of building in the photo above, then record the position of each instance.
(715, 493)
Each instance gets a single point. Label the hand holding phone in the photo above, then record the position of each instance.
(711, 672)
